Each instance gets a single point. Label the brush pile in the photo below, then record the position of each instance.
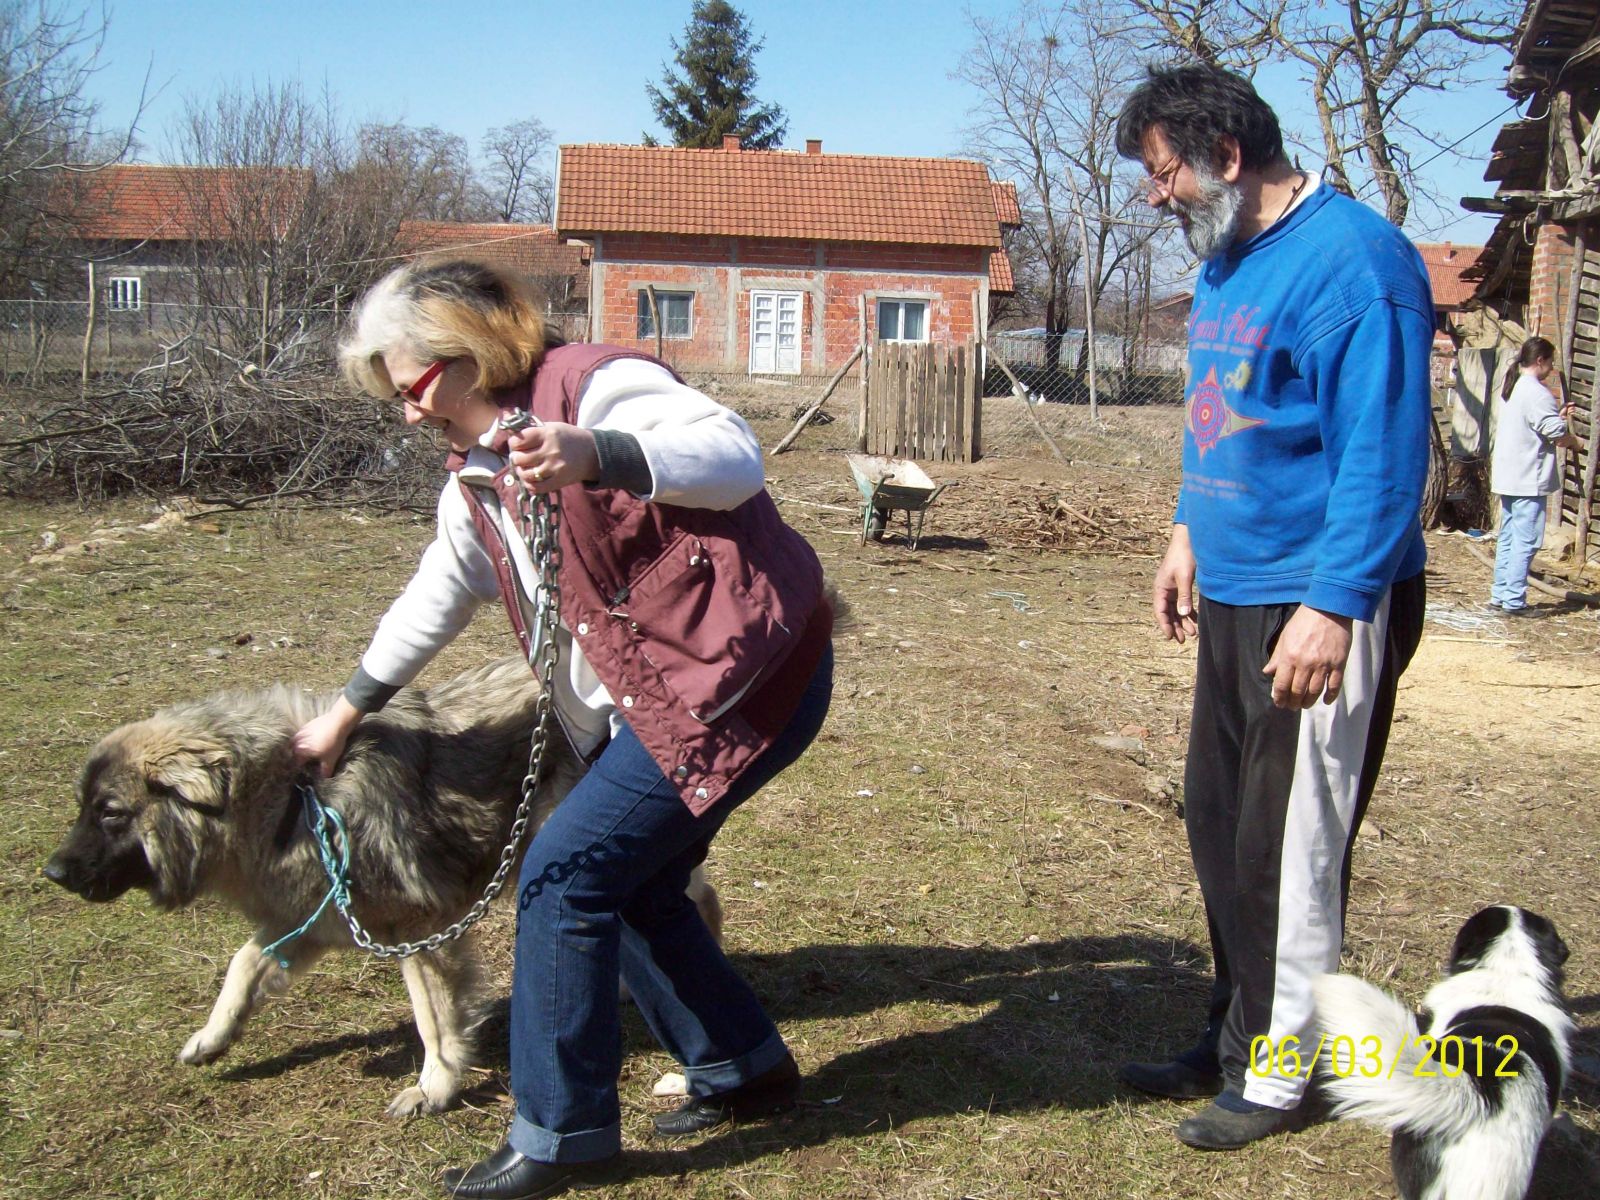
(238, 441)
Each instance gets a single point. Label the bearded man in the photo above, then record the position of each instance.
(1304, 460)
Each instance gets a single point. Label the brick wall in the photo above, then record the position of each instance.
(1550, 282)
(831, 278)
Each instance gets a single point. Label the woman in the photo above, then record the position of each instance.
(695, 664)
(1523, 472)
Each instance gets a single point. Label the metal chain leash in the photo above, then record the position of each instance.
(541, 517)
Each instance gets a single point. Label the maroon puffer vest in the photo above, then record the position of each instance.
(681, 611)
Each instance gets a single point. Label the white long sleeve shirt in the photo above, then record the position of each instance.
(1523, 462)
(701, 455)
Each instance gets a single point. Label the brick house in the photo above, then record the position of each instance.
(770, 261)
(1446, 264)
(136, 223)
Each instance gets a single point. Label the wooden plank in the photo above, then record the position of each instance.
(901, 396)
(972, 402)
(874, 397)
(881, 390)
(958, 375)
(924, 397)
(926, 401)
(941, 407)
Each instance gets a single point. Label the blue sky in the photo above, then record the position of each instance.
(867, 79)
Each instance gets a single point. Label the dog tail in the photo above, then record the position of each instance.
(1387, 1074)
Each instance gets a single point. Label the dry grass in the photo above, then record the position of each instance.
(961, 908)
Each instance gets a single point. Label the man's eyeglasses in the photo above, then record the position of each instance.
(1158, 184)
(413, 393)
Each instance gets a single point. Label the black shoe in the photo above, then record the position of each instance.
(1175, 1080)
(768, 1094)
(508, 1174)
(1219, 1128)
(1524, 610)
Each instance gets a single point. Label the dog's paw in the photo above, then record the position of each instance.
(671, 1084)
(414, 1102)
(204, 1047)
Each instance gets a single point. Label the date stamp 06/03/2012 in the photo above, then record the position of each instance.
(1447, 1057)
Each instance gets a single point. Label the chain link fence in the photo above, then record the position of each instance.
(1041, 399)
(52, 339)
(1038, 400)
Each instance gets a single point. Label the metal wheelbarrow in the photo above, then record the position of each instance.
(892, 485)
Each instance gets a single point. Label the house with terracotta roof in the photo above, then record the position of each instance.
(140, 222)
(136, 223)
(1447, 263)
(778, 262)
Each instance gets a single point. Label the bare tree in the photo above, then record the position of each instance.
(435, 166)
(1366, 63)
(521, 187)
(1052, 81)
(291, 217)
(49, 131)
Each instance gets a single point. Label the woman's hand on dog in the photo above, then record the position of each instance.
(320, 741)
(553, 455)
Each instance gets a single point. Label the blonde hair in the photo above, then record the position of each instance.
(445, 308)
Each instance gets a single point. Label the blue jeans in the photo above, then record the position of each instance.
(601, 897)
(1521, 535)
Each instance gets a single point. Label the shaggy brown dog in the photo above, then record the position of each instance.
(200, 799)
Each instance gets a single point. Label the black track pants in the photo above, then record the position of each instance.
(1272, 800)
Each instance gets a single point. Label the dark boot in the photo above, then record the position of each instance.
(508, 1174)
(768, 1094)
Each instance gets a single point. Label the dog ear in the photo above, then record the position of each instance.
(191, 763)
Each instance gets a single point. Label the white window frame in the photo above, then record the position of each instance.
(644, 326)
(900, 303)
(124, 293)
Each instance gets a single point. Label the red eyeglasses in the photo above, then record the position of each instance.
(413, 394)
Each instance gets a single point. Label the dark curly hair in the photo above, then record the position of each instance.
(1195, 107)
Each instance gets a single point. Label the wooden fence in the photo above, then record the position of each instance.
(921, 402)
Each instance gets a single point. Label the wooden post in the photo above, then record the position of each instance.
(1088, 306)
(266, 296)
(655, 314)
(863, 407)
(88, 335)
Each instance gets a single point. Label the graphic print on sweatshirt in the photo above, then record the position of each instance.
(1210, 417)
(1236, 333)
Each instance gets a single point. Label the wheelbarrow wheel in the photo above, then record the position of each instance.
(877, 523)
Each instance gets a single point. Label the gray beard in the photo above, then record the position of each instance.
(1211, 221)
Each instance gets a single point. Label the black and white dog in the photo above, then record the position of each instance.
(1467, 1090)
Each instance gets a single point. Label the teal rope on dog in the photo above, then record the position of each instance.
(335, 862)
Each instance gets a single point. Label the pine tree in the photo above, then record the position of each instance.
(714, 94)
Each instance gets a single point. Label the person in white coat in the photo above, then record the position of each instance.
(1523, 471)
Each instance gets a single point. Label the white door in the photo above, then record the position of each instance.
(774, 333)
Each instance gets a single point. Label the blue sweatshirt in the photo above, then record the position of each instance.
(1306, 441)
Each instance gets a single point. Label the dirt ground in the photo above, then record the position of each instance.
(964, 906)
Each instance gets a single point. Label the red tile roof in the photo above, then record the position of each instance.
(140, 202)
(775, 193)
(1445, 262)
(532, 249)
(1000, 277)
(1005, 204)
